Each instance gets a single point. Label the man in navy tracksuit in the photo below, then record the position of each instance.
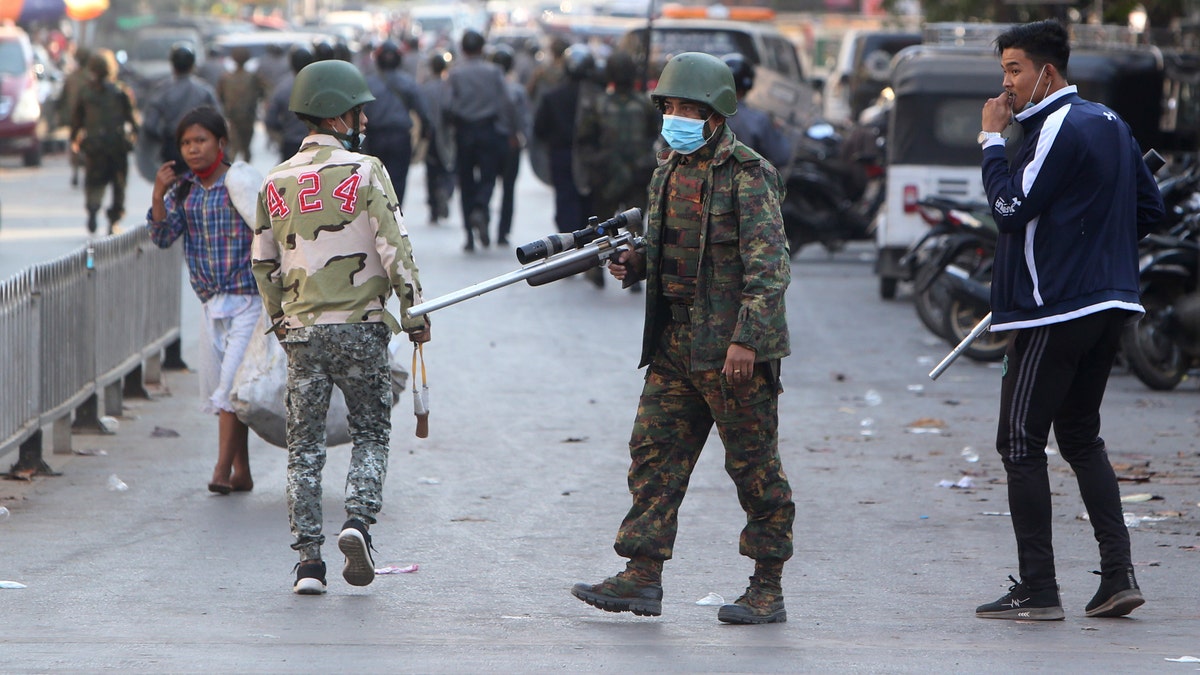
(1070, 208)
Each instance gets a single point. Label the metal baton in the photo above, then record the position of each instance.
(962, 346)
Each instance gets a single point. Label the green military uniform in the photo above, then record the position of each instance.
(615, 141)
(716, 272)
(240, 92)
(102, 111)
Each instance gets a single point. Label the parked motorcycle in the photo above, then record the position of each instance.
(831, 198)
(1165, 344)
(960, 234)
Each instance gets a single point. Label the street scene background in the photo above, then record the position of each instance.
(518, 491)
(124, 561)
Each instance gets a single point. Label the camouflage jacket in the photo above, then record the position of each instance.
(329, 241)
(745, 267)
(104, 112)
(239, 93)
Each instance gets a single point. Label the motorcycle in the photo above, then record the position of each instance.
(960, 234)
(1164, 344)
(831, 198)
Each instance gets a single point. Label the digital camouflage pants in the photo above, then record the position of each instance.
(677, 410)
(353, 357)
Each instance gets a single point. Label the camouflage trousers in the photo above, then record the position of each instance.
(353, 357)
(677, 410)
(101, 169)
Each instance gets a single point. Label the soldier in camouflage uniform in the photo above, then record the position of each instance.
(329, 249)
(240, 92)
(103, 122)
(614, 140)
(74, 83)
(716, 270)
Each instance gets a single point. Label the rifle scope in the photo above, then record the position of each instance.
(557, 243)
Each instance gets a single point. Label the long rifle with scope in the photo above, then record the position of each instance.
(554, 257)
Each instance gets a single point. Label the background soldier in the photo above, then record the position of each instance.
(72, 85)
(397, 102)
(480, 108)
(755, 127)
(503, 57)
(716, 266)
(439, 156)
(615, 141)
(281, 122)
(174, 99)
(554, 124)
(240, 92)
(329, 230)
(102, 125)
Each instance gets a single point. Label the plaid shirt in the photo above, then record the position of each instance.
(216, 241)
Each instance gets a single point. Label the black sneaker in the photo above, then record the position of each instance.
(355, 543)
(1118, 595)
(757, 605)
(310, 577)
(1022, 603)
(622, 593)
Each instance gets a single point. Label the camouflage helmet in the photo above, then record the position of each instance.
(698, 77)
(326, 89)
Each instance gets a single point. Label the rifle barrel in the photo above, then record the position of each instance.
(532, 269)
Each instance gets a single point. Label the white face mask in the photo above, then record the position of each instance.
(1030, 104)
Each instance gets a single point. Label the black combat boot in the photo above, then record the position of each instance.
(763, 600)
(637, 589)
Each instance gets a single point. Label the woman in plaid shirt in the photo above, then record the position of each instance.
(216, 245)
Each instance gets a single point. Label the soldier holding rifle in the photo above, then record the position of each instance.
(716, 267)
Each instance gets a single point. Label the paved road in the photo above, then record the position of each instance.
(518, 491)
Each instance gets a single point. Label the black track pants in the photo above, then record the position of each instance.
(1056, 375)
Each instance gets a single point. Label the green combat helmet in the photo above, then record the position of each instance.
(699, 77)
(327, 89)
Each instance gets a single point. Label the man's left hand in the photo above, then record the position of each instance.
(739, 364)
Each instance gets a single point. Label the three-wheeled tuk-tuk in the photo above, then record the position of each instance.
(939, 93)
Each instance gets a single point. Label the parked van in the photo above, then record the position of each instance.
(22, 129)
(862, 71)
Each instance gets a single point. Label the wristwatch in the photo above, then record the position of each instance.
(985, 136)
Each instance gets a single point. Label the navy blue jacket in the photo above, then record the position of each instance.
(1069, 209)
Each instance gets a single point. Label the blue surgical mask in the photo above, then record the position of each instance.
(348, 139)
(684, 134)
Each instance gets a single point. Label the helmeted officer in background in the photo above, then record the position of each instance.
(397, 100)
(282, 124)
(330, 232)
(752, 126)
(481, 112)
(716, 267)
(554, 124)
(174, 99)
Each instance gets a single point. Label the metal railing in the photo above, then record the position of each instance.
(81, 331)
